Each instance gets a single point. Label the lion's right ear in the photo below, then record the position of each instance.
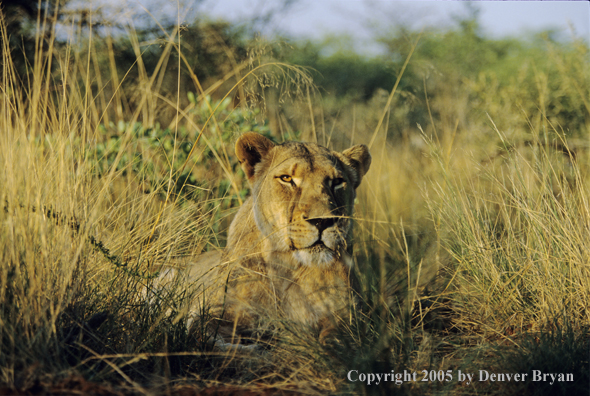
(250, 149)
(359, 158)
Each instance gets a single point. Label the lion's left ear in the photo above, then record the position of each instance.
(359, 158)
(250, 149)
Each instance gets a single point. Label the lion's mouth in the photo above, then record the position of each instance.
(317, 246)
(318, 253)
(319, 242)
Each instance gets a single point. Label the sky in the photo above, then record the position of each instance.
(314, 18)
(360, 19)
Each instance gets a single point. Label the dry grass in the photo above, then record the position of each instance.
(467, 246)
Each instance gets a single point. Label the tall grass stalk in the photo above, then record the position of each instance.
(516, 233)
(470, 241)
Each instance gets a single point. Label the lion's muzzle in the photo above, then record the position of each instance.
(322, 223)
(318, 241)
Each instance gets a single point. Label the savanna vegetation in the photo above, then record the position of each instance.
(472, 226)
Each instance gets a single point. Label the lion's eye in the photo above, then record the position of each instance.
(337, 183)
(286, 179)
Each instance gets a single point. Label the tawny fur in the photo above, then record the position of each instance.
(289, 246)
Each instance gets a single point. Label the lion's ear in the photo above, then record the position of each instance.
(250, 149)
(359, 159)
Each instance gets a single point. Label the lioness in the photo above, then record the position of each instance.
(289, 246)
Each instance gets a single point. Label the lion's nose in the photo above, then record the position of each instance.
(322, 223)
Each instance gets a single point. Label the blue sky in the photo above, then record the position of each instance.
(360, 19)
(314, 18)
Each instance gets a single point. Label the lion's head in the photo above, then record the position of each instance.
(303, 196)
